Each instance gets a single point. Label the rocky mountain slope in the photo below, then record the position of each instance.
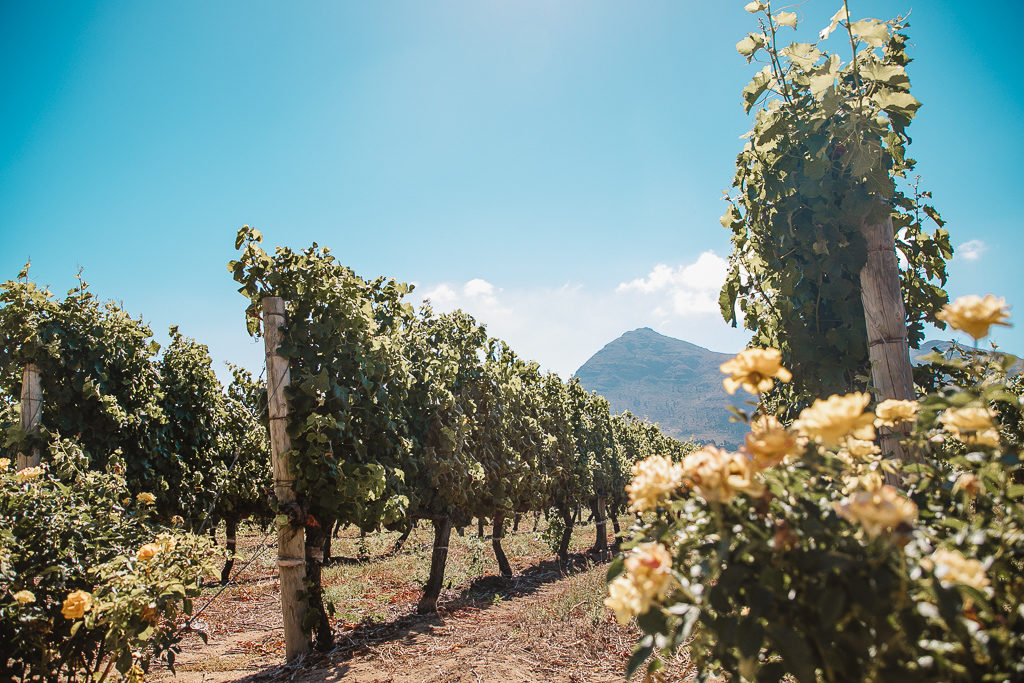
(669, 381)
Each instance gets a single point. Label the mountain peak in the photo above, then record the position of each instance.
(669, 381)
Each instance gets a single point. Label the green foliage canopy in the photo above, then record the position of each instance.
(827, 152)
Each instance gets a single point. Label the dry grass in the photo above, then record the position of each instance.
(544, 624)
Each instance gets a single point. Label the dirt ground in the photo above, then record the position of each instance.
(543, 624)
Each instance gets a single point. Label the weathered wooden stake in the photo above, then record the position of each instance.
(31, 411)
(291, 543)
(886, 318)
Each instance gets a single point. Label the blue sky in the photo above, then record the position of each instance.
(555, 167)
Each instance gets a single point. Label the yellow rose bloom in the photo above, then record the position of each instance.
(952, 567)
(76, 605)
(653, 480)
(974, 315)
(624, 599)
(5, 463)
(27, 474)
(892, 411)
(831, 420)
(166, 542)
(650, 565)
(878, 510)
(972, 425)
(648, 576)
(25, 597)
(753, 369)
(968, 483)
(147, 552)
(768, 442)
(870, 480)
(718, 475)
(146, 498)
(859, 449)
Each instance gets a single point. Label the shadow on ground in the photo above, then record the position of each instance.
(481, 594)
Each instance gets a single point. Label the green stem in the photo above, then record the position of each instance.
(106, 671)
(853, 64)
(773, 54)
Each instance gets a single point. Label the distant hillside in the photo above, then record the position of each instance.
(668, 381)
(945, 346)
(678, 384)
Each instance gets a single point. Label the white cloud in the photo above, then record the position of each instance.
(971, 250)
(562, 326)
(478, 287)
(441, 296)
(691, 288)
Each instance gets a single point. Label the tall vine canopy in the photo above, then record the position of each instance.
(349, 379)
(827, 153)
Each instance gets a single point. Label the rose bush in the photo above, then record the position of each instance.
(88, 584)
(804, 563)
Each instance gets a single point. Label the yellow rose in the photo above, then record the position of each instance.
(25, 597)
(952, 567)
(753, 369)
(878, 510)
(969, 484)
(147, 552)
(653, 480)
(5, 463)
(831, 420)
(891, 411)
(718, 475)
(769, 443)
(648, 576)
(859, 449)
(624, 599)
(974, 315)
(166, 542)
(27, 474)
(76, 604)
(146, 498)
(972, 425)
(870, 480)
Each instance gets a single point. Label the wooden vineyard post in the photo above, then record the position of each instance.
(31, 411)
(291, 542)
(886, 320)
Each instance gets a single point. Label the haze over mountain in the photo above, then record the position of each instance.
(669, 381)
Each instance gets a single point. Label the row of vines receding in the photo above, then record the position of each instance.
(396, 416)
